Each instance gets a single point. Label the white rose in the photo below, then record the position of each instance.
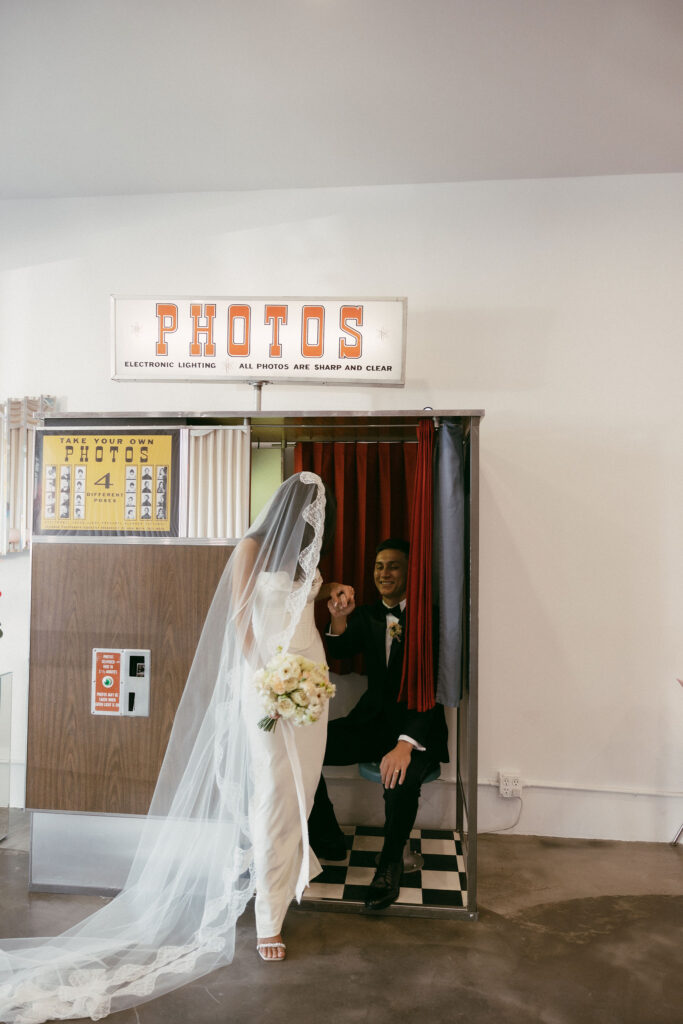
(286, 707)
(289, 666)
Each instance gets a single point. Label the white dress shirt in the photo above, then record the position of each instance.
(391, 619)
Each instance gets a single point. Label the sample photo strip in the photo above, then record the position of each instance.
(50, 492)
(161, 495)
(64, 492)
(79, 492)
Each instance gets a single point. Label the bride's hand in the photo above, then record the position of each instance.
(342, 600)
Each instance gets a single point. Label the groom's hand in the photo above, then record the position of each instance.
(394, 765)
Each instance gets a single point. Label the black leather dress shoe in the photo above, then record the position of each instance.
(385, 886)
(330, 849)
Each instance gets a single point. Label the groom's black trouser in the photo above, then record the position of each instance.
(349, 743)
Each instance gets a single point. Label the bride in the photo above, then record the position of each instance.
(228, 815)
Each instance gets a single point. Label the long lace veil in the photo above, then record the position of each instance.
(193, 874)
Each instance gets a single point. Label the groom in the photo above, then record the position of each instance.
(407, 744)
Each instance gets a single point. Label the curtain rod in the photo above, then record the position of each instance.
(366, 426)
(311, 440)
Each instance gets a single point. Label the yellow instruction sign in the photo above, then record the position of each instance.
(107, 483)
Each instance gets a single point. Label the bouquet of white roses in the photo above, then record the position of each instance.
(292, 687)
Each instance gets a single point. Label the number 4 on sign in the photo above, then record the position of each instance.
(104, 481)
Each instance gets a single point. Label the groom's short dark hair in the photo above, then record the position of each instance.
(396, 543)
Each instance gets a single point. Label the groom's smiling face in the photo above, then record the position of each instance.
(391, 573)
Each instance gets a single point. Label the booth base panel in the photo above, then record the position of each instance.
(438, 889)
(75, 852)
(80, 852)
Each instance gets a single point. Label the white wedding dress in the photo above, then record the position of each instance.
(276, 808)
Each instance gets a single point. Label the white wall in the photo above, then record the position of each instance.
(555, 305)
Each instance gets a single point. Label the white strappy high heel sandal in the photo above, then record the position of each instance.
(271, 945)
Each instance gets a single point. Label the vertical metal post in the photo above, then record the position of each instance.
(257, 385)
(283, 453)
(473, 668)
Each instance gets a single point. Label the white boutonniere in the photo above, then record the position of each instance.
(396, 631)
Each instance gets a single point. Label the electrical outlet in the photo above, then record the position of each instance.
(509, 784)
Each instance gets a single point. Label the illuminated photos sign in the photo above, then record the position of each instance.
(322, 341)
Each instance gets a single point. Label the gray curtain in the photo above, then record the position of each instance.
(449, 558)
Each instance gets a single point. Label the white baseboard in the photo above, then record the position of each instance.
(546, 810)
(570, 813)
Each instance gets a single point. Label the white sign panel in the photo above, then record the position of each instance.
(322, 341)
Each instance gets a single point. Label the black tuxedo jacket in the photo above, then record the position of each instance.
(379, 708)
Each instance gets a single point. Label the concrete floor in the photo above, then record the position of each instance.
(570, 932)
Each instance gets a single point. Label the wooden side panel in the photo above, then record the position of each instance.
(92, 595)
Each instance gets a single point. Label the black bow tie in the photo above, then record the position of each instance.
(396, 610)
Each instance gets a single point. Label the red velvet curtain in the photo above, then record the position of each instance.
(417, 684)
(373, 483)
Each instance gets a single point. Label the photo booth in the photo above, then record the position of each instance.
(126, 557)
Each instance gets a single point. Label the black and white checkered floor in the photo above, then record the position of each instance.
(441, 882)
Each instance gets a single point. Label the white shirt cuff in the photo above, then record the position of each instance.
(409, 739)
